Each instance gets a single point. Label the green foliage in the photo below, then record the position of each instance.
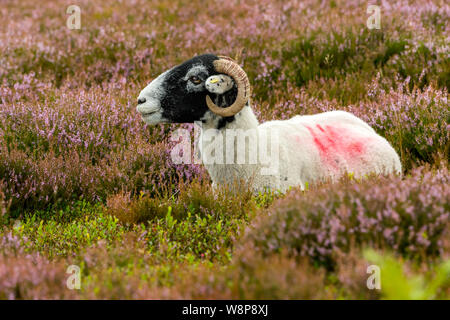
(196, 222)
(66, 232)
(396, 285)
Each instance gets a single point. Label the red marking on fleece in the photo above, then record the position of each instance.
(335, 144)
(320, 128)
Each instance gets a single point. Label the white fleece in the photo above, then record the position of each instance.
(311, 148)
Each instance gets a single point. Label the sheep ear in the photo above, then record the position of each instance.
(219, 84)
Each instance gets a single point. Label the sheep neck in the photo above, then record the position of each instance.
(242, 123)
(244, 120)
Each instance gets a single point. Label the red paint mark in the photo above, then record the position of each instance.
(317, 141)
(320, 128)
(356, 148)
(336, 145)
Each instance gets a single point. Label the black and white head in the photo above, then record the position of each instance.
(188, 92)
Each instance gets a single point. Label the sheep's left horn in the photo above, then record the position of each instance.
(229, 67)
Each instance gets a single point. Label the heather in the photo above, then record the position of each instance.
(408, 215)
(84, 181)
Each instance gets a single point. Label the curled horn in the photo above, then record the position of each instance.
(229, 67)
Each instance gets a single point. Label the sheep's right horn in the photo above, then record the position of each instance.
(227, 66)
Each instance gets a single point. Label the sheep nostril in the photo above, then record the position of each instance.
(141, 100)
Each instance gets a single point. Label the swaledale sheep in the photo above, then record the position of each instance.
(215, 91)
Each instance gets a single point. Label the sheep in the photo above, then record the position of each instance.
(215, 92)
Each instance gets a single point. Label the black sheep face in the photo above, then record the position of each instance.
(179, 94)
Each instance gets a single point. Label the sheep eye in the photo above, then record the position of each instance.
(195, 80)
